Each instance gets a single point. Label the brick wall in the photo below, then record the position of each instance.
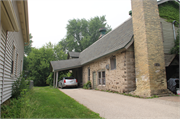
(121, 79)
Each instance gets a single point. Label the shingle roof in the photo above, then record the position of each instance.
(65, 64)
(113, 41)
(74, 54)
(168, 59)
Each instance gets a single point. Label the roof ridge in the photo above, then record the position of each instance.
(66, 60)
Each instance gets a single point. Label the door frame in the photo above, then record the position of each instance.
(94, 79)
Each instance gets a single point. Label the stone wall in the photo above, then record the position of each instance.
(121, 79)
(149, 54)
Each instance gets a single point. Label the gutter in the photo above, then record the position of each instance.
(67, 68)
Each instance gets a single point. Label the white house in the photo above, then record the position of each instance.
(14, 34)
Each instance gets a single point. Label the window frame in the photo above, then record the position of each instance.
(101, 78)
(113, 62)
(17, 58)
(89, 73)
(13, 60)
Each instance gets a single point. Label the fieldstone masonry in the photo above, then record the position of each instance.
(149, 55)
(121, 79)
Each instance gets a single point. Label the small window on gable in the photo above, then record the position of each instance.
(113, 62)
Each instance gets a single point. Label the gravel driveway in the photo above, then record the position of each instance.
(116, 106)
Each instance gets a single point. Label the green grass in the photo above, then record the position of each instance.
(47, 102)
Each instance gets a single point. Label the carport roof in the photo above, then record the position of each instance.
(65, 64)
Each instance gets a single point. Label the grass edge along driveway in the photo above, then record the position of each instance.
(48, 102)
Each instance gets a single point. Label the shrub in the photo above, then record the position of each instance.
(20, 85)
(50, 79)
(175, 49)
(87, 85)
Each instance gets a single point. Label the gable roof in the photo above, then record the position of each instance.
(111, 42)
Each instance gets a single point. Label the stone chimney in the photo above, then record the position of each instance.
(102, 31)
(148, 45)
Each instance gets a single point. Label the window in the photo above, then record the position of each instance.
(16, 64)
(101, 78)
(113, 62)
(13, 60)
(21, 66)
(88, 74)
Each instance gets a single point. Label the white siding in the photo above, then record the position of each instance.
(13, 39)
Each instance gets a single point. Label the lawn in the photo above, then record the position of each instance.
(47, 102)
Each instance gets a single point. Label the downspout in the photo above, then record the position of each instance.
(174, 29)
(4, 67)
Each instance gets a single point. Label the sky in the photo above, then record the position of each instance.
(48, 18)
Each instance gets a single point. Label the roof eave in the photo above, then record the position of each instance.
(67, 68)
(24, 19)
(163, 1)
(8, 16)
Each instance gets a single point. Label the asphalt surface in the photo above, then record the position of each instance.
(116, 106)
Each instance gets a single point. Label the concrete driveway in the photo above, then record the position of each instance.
(116, 106)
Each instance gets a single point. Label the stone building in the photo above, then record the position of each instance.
(14, 35)
(109, 63)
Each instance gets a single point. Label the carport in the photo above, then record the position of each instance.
(62, 65)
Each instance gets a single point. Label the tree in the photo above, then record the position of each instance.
(27, 49)
(60, 52)
(39, 64)
(81, 33)
(175, 49)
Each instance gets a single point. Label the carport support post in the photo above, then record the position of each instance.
(56, 78)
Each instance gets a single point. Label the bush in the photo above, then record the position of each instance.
(87, 85)
(175, 49)
(18, 108)
(50, 79)
(19, 86)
